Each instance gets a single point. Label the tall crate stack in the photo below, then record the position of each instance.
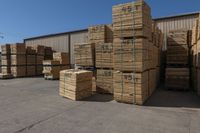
(30, 61)
(18, 60)
(40, 53)
(132, 26)
(178, 53)
(102, 37)
(5, 61)
(155, 58)
(195, 48)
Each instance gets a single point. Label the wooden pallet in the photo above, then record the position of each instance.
(75, 84)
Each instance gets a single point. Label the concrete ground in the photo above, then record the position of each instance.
(32, 105)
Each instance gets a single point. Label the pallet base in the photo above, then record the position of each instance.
(6, 76)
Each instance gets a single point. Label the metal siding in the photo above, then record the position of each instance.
(81, 37)
(58, 43)
(169, 24)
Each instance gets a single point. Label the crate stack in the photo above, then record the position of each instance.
(155, 58)
(18, 60)
(52, 68)
(84, 55)
(132, 26)
(102, 37)
(30, 62)
(63, 58)
(177, 75)
(5, 62)
(195, 64)
(75, 84)
(104, 65)
(48, 53)
(40, 52)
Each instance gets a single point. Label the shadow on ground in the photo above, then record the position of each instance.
(99, 98)
(169, 98)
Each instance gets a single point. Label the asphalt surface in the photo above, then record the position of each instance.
(32, 105)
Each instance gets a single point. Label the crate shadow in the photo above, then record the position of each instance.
(99, 98)
(170, 98)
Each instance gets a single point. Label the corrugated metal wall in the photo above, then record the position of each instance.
(61, 43)
(58, 43)
(174, 23)
(81, 37)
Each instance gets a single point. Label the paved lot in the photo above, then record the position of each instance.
(33, 105)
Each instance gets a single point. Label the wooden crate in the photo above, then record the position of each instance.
(130, 87)
(5, 69)
(75, 84)
(177, 78)
(84, 54)
(18, 71)
(104, 55)
(48, 53)
(104, 81)
(132, 19)
(51, 69)
(100, 34)
(62, 57)
(18, 48)
(131, 55)
(5, 49)
(178, 47)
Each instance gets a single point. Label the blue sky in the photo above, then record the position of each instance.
(21, 19)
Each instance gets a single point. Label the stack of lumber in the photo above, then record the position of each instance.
(104, 81)
(5, 62)
(75, 84)
(178, 50)
(63, 58)
(104, 55)
(195, 50)
(178, 47)
(130, 87)
(30, 61)
(104, 65)
(132, 19)
(18, 60)
(157, 40)
(177, 78)
(40, 52)
(84, 54)
(48, 53)
(51, 69)
(133, 51)
(100, 34)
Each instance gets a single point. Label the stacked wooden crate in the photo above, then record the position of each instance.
(178, 69)
(75, 84)
(30, 62)
(154, 58)
(132, 26)
(52, 68)
(63, 58)
(18, 60)
(40, 52)
(100, 34)
(195, 48)
(102, 37)
(48, 53)
(5, 62)
(104, 65)
(84, 54)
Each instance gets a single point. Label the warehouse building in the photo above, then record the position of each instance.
(64, 42)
